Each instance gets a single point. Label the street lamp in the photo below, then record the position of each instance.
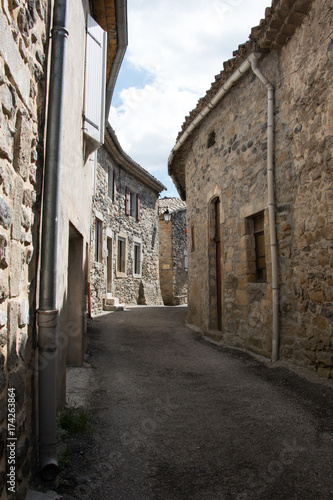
(167, 215)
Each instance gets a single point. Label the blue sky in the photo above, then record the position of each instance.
(175, 49)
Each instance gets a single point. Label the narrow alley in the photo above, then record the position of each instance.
(176, 417)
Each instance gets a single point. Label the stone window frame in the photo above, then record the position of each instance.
(121, 261)
(98, 238)
(137, 243)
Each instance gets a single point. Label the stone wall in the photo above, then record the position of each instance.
(127, 288)
(166, 264)
(23, 36)
(173, 249)
(232, 167)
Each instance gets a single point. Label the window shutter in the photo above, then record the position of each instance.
(114, 186)
(127, 202)
(138, 205)
(95, 83)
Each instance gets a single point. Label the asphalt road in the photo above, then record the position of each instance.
(176, 417)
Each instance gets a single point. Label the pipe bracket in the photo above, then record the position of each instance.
(47, 319)
(59, 30)
(46, 349)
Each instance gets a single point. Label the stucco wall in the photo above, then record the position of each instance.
(127, 289)
(75, 195)
(234, 169)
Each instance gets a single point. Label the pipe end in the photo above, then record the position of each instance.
(50, 471)
(48, 463)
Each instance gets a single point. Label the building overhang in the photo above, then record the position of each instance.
(111, 15)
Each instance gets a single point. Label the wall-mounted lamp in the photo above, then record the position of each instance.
(167, 215)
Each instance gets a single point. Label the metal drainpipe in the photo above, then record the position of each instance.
(271, 204)
(47, 312)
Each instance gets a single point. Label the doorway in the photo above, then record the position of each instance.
(76, 281)
(215, 271)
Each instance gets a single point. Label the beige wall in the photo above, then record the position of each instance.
(75, 200)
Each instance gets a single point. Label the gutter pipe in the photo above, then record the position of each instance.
(271, 206)
(244, 67)
(47, 314)
(251, 62)
(122, 42)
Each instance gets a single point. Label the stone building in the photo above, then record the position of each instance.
(173, 251)
(254, 162)
(47, 49)
(22, 88)
(124, 257)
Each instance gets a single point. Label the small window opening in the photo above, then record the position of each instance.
(211, 139)
(98, 240)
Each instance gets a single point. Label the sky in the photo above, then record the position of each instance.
(175, 49)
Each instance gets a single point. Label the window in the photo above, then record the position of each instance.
(211, 139)
(111, 183)
(132, 204)
(121, 255)
(259, 240)
(137, 259)
(95, 83)
(98, 240)
(186, 262)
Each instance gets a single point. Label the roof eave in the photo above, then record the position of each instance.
(124, 161)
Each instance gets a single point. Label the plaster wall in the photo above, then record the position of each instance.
(75, 195)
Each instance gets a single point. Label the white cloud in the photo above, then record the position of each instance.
(176, 49)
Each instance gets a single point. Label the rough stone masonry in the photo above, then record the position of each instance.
(22, 28)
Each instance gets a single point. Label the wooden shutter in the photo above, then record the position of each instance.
(138, 206)
(127, 202)
(95, 83)
(114, 186)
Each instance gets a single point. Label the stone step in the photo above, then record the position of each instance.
(112, 304)
(112, 301)
(120, 307)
